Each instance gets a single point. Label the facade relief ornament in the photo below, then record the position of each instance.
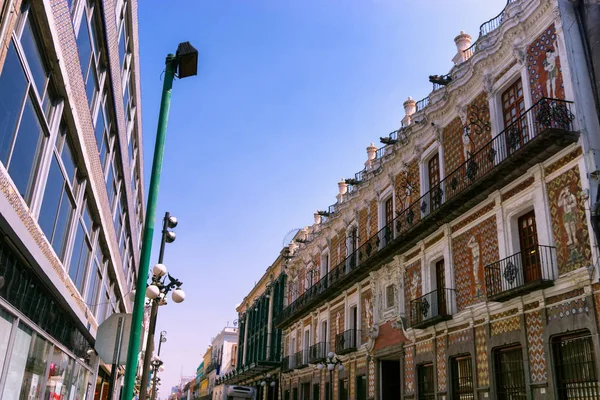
(520, 54)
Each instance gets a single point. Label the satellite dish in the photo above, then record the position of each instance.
(289, 236)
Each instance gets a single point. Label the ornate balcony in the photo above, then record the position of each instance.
(540, 132)
(488, 27)
(301, 359)
(212, 365)
(347, 342)
(318, 352)
(287, 364)
(431, 308)
(521, 273)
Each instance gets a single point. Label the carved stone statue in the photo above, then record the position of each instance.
(474, 246)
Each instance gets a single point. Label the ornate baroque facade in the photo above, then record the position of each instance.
(460, 263)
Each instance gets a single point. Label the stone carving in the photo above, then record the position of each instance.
(568, 202)
(467, 146)
(475, 253)
(369, 312)
(338, 317)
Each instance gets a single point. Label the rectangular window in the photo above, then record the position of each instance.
(530, 257)
(513, 111)
(327, 391)
(389, 211)
(93, 294)
(88, 46)
(425, 386)
(462, 378)
(361, 387)
(510, 376)
(317, 391)
(306, 391)
(58, 202)
(343, 391)
(323, 332)
(27, 106)
(82, 249)
(389, 296)
(576, 368)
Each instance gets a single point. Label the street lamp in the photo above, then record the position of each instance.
(330, 362)
(186, 64)
(157, 293)
(160, 367)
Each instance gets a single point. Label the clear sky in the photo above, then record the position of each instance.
(288, 96)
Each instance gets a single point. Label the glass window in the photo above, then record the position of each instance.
(95, 280)
(34, 55)
(6, 322)
(27, 367)
(81, 255)
(13, 86)
(24, 159)
(89, 53)
(58, 375)
(58, 200)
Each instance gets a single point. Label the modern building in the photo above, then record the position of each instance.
(460, 263)
(71, 189)
(224, 357)
(259, 345)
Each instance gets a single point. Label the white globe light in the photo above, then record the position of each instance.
(178, 295)
(330, 367)
(268, 376)
(161, 368)
(331, 354)
(263, 383)
(172, 221)
(159, 270)
(340, 367)
(152, 292)
(273, 384)
(320, 366)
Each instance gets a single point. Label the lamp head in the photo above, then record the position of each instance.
(331, 354)
(340, 367)
(273, 384)
(170, 236)
(320, 367)
(330, 367)
(178, 295)
(152, 292)
(159, 270)
(187, 60)
(172, 221)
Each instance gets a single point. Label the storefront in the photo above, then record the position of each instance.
(43, 354)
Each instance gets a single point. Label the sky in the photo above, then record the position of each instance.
(289, 94)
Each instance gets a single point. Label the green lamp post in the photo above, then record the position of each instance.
(183, 64)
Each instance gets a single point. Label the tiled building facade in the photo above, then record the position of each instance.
(71, 200)
(461, 262)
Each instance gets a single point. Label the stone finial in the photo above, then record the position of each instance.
(318, 218)
(371, 154)
(342, 186)
(410, 106)
(463, 42)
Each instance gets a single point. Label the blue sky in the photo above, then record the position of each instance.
(288, 96)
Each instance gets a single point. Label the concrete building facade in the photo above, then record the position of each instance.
(460, 263)
(71, 189)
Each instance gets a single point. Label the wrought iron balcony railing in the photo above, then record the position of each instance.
(212, 365)
(347, 342)
(318, 352)
(301, 359)
(431, 308)
(488, 27)
(528, 270)
(421, 104)
(540, 132)
(287, 364)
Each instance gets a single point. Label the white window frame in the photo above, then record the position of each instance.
(434, 149)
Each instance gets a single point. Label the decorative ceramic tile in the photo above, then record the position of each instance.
(371, 379)
(564, 296)
(504, 314)
(518, 189)
(569, 225)
(483, 378)
(482, 211)
(424, 347)
(409, 370)
(544, 67)
(441, 364)
(567, 309)
(412, 282)
(531, 306)
(535, 347)
(453, 145)
(473, 250)
(564, 161)
(505, 325)
(460, 337)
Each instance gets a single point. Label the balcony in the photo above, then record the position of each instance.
(212, 365)
(318, 352)
(347, 342)
(488, 27)
(287, 364)
(540, 132)
(521, 273)
(301, 359)
(431, 308)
